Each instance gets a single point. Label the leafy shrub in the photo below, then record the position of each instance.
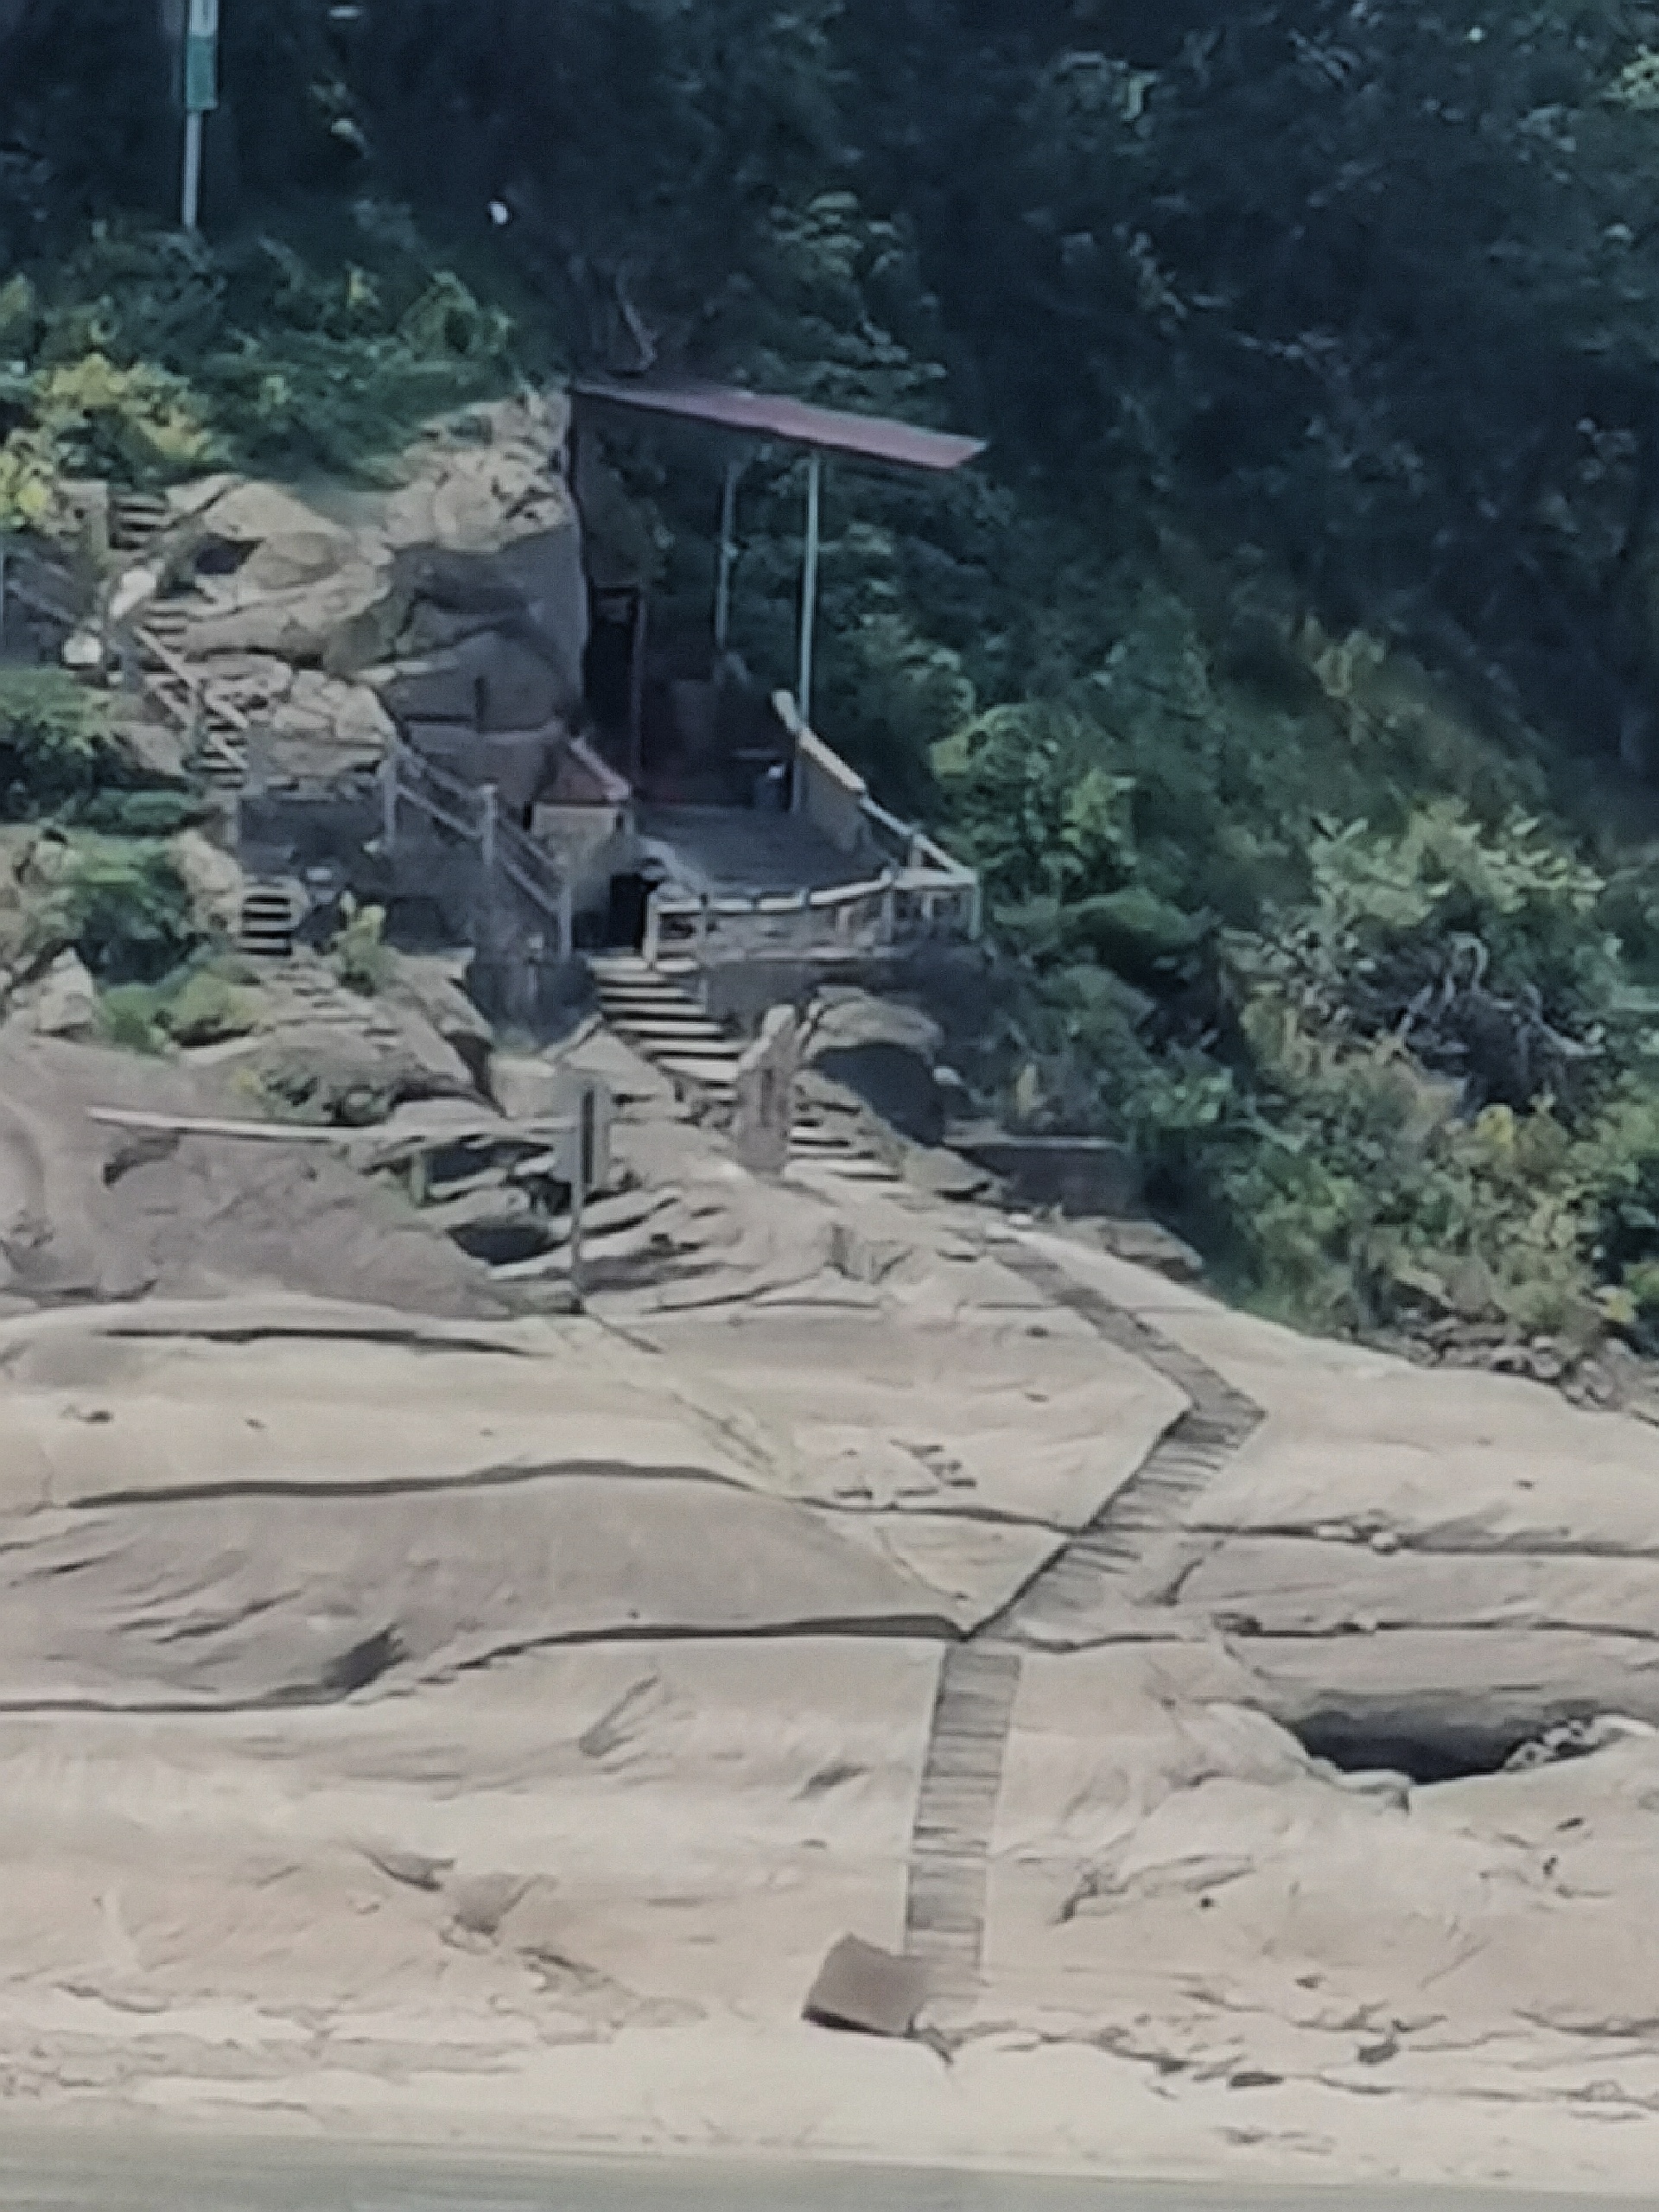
(140, 813)
(361, 958)
(53, 741)
(193, 1004)
(136, 424)
(208, 1007)
(130, 1017)
(123, 906)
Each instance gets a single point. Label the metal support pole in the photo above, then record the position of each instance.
(809, 586)
(728, 559)
(582, 1170)
(200, 57)
(389, 803)
(485, 925)
(488, 807)
(193, 170)
(637, 693)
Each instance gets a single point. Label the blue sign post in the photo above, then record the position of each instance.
(200, 97)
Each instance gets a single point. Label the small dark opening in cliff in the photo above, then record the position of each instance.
(1424, 1752)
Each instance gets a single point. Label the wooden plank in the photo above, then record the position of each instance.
(191, 1125)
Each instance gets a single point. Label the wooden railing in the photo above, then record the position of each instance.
(917, 891)
(472, 812)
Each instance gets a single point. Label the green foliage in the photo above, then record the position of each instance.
(360, 956)
(209, 1007)
(202, 1001)
(28, 480)
(136, 424)
(119, 813)
(129, 1017)
(53, 743)
(148, 358)
(122, 904)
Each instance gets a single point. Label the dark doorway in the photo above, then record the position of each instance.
(607, 662)
(626, 923)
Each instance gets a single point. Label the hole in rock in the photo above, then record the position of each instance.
(363, 1663)
(1425, 1749)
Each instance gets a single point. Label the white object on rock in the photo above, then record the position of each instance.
(526, 1088)
(68, 1005)
(135, 589)
(83, 649)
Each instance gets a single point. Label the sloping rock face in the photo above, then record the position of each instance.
(882, 1051)
(484, 1728)
(460, 591)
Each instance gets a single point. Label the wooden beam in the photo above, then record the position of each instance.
(191, 1125)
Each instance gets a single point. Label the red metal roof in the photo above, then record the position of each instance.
(768, 415)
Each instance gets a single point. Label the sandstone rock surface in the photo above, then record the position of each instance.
(482, 1729)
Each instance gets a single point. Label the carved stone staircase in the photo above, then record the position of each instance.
(655, 1011)
(174, 688)
(269, 919)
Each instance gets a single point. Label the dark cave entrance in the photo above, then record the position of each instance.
(1425, 1749)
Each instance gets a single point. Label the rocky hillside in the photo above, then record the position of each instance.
(1288, 666)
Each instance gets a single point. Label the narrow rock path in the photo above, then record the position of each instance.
(956, 1808)
(979, 1680)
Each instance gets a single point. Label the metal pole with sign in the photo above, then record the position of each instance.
(581, 1179)
(200, 97)
(728, 562)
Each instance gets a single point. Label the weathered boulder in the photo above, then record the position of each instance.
(488, 679)
(324, 728)
(67, 1004)
(884, 1051)
(527, 1089)
(486, 508)
(250, 683)
(213, 878)
(485, 479)
(336, 619)
(434, 988)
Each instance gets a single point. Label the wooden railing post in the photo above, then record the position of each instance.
(650, 945)
(488, 806)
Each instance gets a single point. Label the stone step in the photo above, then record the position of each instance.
(715, 1074)
(651, 1035)
(671, 1004)
(266, 924)
(629, 967)
(650, 995)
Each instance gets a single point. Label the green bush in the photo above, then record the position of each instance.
(148, 359)
(192, 1004)
(139, 813)
(208, 1007)
(55, 744)
(123, 906)
(131, 1015)
(361, 958)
